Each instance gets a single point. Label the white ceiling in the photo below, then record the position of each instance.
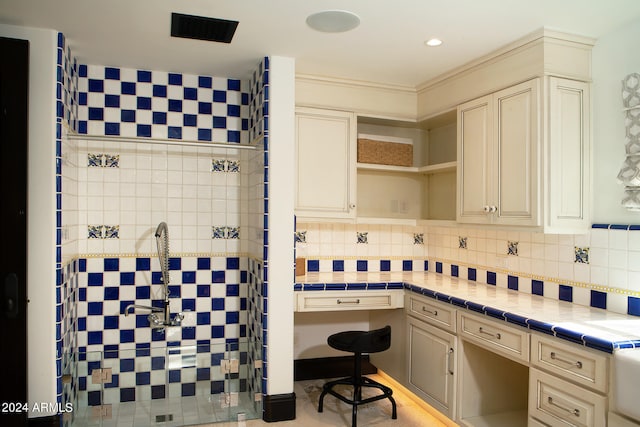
(387, 47)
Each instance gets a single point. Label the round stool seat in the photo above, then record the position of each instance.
(362, 341)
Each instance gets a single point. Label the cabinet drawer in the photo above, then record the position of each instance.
(348, 300)
(557, 402)
(495, 336)
(432, 312)
(576, 364)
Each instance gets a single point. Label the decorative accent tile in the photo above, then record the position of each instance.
(224, 232)
(103, 231)
(111, 161)
(223, 165)
(103, 160)
(512, 248)
(233, 166)
(462, 242)
(301, 237)
(418, 238)
(111, 231)
(233, 232)
(218, 165)
(363, 237)
(218, 232)
(581, 255)
(94, 160)
(94, 231)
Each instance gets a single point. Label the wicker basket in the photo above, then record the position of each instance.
(384, 153)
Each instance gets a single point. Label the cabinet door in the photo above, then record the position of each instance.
(325, 163)
(475, 141)
(516, 155)
(431, 355)
(568, 156)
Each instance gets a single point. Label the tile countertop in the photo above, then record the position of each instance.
(593, 327)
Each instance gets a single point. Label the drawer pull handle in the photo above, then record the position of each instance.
(575, 412)
(434, 312)
(356, 301)
(494, 335)
(577, 364)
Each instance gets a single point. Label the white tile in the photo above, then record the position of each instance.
(618, 239)
(618, 278)
(617, 259)
(599, 238)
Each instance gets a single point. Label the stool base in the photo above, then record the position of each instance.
(358, 383)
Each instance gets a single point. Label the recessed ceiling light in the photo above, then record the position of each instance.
(333, 21)
(433, 42)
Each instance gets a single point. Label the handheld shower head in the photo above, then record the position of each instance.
(162, 227)
(162, 243)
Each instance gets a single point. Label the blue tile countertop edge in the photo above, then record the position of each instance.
(558, 331)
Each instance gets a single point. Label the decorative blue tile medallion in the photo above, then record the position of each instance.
(218, 165)
(581, 255)
(301, 237)
(462, 242)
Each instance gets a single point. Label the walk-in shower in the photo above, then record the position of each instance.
(172, 376)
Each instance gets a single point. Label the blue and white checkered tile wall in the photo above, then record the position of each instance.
(258, 295)
(212, 290)
(141, 103)
(66, 115)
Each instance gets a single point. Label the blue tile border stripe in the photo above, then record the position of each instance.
(631, 227)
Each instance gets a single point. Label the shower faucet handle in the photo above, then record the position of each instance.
(177, 319)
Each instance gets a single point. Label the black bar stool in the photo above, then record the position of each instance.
(360, 342)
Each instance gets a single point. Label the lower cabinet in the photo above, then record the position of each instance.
(431, 354)
(482, 372)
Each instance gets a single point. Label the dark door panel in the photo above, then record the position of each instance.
(14, 76)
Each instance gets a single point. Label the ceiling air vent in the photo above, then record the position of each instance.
(202, 28)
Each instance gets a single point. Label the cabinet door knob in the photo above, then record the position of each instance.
(352, 205)
(486, 208)
(493, 209)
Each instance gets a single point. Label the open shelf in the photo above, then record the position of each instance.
(494, 389)
(422, 191)
(436, 168)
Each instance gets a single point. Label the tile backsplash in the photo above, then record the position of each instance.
(154, 183)
(600, 268)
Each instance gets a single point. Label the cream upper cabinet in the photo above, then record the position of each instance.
(524, 156)
(325, 163)
(567, 155)
(498, 154)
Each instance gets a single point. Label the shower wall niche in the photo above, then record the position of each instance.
(117, 180)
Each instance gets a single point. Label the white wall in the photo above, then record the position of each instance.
(280, 260)
(614, 56)
(41, 328)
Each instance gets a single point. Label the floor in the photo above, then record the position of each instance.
(211, 411)
(337, 413)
